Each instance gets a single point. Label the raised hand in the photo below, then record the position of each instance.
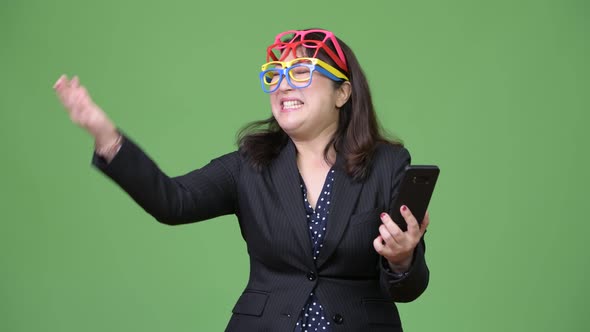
(84, 112)
(396, 245)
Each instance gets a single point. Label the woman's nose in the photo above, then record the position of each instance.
(284, 85)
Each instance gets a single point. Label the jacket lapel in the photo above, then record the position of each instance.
(285, 177)
(345, 194)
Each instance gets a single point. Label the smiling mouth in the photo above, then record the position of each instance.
(291, 104)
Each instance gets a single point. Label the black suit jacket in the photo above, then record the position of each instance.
(350, 279)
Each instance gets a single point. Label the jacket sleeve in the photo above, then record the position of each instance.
(414, 282)
(201, 194)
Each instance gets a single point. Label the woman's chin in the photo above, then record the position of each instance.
(290, 126)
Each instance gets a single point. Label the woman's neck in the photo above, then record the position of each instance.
(311, 151)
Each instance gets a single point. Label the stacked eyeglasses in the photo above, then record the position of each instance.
(299, 71)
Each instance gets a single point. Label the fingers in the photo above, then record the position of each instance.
(386, 235)
(75, 82)
(73, 96)
(394, 244)
(64, 84)
(59, 82)
(79, 98)
(380, 247)
(61, 87)
(69, 98)
(413, 226)
(389, 230)
(425, 223)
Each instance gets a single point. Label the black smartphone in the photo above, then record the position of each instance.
(415, 191)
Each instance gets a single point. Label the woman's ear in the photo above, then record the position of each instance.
(343, 94)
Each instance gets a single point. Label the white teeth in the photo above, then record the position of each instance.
(292, 104)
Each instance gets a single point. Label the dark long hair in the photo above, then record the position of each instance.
(358, 130)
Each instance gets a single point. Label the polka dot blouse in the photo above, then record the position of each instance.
(312, 316)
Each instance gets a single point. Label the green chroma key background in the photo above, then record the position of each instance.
(496, 93)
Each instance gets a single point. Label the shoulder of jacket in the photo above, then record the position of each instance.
(386, 151)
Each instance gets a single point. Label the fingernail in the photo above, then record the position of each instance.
(383, 215)
(404, 208)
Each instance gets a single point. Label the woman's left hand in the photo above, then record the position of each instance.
(396, 245)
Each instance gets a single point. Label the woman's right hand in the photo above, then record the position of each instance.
(84, 112)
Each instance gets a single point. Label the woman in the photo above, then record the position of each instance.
(310, 187)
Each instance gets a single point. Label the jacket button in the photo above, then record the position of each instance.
(338, 319)
(311, 276)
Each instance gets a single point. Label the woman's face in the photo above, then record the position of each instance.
(307, 113)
